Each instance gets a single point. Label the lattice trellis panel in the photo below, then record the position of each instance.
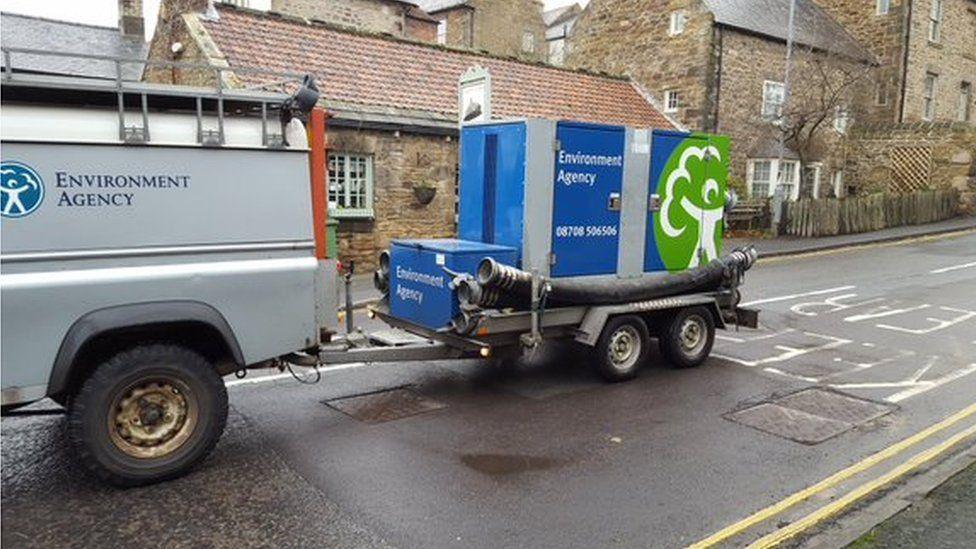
(911, 168)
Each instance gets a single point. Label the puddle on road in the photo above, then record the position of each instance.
(507, 464)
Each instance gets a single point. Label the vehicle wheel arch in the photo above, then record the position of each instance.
(102, 332)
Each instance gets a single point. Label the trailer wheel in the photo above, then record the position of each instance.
(687, 340)
(622, 348)
(147, 414)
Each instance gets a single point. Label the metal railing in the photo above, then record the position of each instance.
(220, 92)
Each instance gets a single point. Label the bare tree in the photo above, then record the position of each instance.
(828, 92)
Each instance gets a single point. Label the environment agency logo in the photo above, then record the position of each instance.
(21, 189)
(692, 191)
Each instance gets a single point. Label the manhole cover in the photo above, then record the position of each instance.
(810, 416)
(834, 405)
(385, 405)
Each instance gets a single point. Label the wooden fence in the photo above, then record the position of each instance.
(832, 216)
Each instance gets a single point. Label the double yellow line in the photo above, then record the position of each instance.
(790, 531)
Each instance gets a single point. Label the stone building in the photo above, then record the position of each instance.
(718, 66)
(396, 17)
(512, 28)
(927, 55)
(394, 108)
(559, 22)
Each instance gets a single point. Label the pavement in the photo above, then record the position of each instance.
(786, 245)
(862, 366)
(945, 518)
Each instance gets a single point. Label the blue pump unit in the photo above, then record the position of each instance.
(577, 199)
(421, 274)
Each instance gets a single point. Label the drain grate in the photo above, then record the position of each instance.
(810, 416)
(386, 405)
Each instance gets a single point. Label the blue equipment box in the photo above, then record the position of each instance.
(420, 288)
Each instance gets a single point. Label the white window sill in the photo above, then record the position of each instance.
(349, 213)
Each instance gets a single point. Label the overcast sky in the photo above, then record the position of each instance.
(106, 12)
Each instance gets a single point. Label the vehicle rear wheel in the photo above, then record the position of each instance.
(147, 414)
(622, 348)
(687, 340)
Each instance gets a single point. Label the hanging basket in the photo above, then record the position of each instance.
(424, 193)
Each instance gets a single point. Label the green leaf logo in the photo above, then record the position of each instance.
(692, 187)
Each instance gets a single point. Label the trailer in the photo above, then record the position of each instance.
(619, 335)
(603, 235)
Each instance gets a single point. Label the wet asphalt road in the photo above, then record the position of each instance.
(545, 454)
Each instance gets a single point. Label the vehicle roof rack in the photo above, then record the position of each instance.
(255, 98)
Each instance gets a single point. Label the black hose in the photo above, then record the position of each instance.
(505, 284)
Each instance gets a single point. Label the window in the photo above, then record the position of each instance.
(441, 31)
(760, 177)
(350, 185)
(881, 93)
(672, 100)
(528, 42)
(841, 119)
(838, 183)
(677, 25)
(882, 6)
(557, 51)
(928, 96)
(238, 3)
(788, 178)
(965, 101)
(759, 183)
(774, 94)
(935, 21)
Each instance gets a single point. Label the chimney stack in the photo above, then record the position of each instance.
(130, 19)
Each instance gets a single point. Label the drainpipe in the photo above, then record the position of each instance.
(904, 63)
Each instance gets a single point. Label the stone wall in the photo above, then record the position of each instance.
(400, 159)
(953, 58)
(953, 157)
(371, 15)
(498, 27)
(747, 62)
(172, 27)
(883, 36)
(630, 37)
(460, 23)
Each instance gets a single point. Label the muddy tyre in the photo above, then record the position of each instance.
(148, 414)
(686, 341)
(622, 348)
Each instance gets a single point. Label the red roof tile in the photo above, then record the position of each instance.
(380, 71)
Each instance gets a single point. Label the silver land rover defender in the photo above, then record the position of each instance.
(154, 238)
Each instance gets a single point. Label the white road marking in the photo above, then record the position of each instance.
(756, 338)
(795, 296)
(884, 311)
(940, 323)
(284, 375)
(924, 386)
(833, 303)
(953, 268)
(789, 352)
(777, 371)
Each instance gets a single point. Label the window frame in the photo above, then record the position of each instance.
(842, 119)
(928, 96)
(773, 116)
(935, 21)
(773, 173)
(442, 31)
(528, 41)
(676, 23)
(965, 106)
(345, 212)
(668, 96)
